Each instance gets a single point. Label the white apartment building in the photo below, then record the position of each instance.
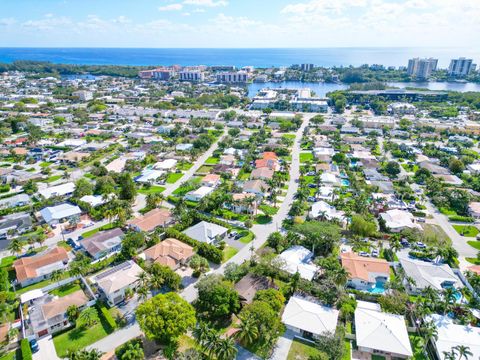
(421, 68)
(232, 77)
(461, 67)
(192, 76)
(83, 95)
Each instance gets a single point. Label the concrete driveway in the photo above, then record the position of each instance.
(46, 350)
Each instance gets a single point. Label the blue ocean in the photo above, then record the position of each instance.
(264, 57)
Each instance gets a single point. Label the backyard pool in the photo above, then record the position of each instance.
(345, 182)
(379, 288)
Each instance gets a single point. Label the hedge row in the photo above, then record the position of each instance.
(208, 251)
(460, 218)
(26, 350)
(107, 316)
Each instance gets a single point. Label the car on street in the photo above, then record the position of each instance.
(34, 345)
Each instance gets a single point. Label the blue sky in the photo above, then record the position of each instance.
(239, 23)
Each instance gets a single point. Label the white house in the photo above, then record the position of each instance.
(381, 333)
(309, 319)
(322, 209)
(167, 164)
(206, 232)
(397, 220)
(184, 147)
(426, 274)
(298, 258)
(93, 200)
(451, 335)
(199, 194)
(113, 282)
(60, 213)
(59, 190)
(149, 176)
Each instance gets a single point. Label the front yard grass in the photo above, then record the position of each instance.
(247, 236)
(38, 285)
(300, 350)
(466, 230)
(474, 244)
(100, 228)
(263, 219)
(305, 157)
(80, 337)
(172, 178)
(154, 189)
(229, 252)
(53, 178)
(212, 160)
(434, 235)
(184, 166)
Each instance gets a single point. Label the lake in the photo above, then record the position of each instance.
(321, 89)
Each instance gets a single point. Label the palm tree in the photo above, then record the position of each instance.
(248, 331)
(339, 276)
(449, 355)
(463, 351)
(93, 354)
(226, 349)
(448, 299)
(142, 292)
(395, 246)
(200, 333)
(15, 246)
(89, 317)
(133, 351)
(56, 275)
(429, 331)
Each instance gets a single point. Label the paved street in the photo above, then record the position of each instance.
(261, 232)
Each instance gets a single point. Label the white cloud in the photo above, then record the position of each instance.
(171, 7)
(206, 3)
(7, 21)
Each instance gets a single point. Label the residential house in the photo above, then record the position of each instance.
(48, 314)
(32, 269)
(199, 194)
(263, 173)
(206, 232)
(57, 214)
(365, 273)
(323, 210)
(397, 220)
(381, 333)
(114, 281)
(210, 180)
(248, 286)
(152, 219)
(170, 252)
(66, 189)
(474, 209)
(14, 201)
(309, 319)
(103, 243)
(240, 205)
(451, 335)
(426, 274)
(93, 200)
(299, 259)
(13, 224)
(257, 187)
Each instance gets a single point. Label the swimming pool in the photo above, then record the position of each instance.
(345, 182)
(379, 288)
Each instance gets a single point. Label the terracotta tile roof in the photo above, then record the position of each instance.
(4, 332)
(270, 155)
(60, 305)
(169, 252)
(150, 220)
(211, 178)
(26, 267)
(270, 163)
(359, 267)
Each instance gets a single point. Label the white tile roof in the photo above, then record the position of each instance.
(58, 190)
(381, 331)
(309, 316)
(205, 231)
(59, 212)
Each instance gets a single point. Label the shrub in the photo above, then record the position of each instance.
(26, 350)
(107, 316)
(460, 218)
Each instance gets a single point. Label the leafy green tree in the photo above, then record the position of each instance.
(72, 314)
(272, 297)
(82, 188)
(128, 191)
(319, 235)
(84, 354)
(362, 227)
(331, 344)
(217, 298)
(392, 168)
(165, 317)
(394, 302)
(455, 165)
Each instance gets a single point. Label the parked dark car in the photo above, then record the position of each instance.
(34, 346)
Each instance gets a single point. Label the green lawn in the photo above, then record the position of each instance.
(45, 164)
(263, 219)
(289, 136)
(244, 176)
(466, 230)
(96, 230)
(64, 245)
(247, 236)
(172, 178)
(12, 355)
(435, 236)
(268, 210)
(446, 211)
(53, 178)
(212, 160)
(78, 338)
(302, 350)
(204, 169)
(154, 189)
(473, 261)
(309, 179)
(184, 166)
(229, 252)
(7, 261)
(307, 156)
(66, 289)
(38, 285)
(475, 244)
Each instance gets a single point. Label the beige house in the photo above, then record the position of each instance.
(170, 252)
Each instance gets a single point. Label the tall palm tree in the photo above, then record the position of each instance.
(463, 351)
(225, 349)
(429, 331)
(339, 276)
(248, 331)
(56, 275)
(449, 355)
(15, 246)
(448, 299)
(93, 354)
(89, 317)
